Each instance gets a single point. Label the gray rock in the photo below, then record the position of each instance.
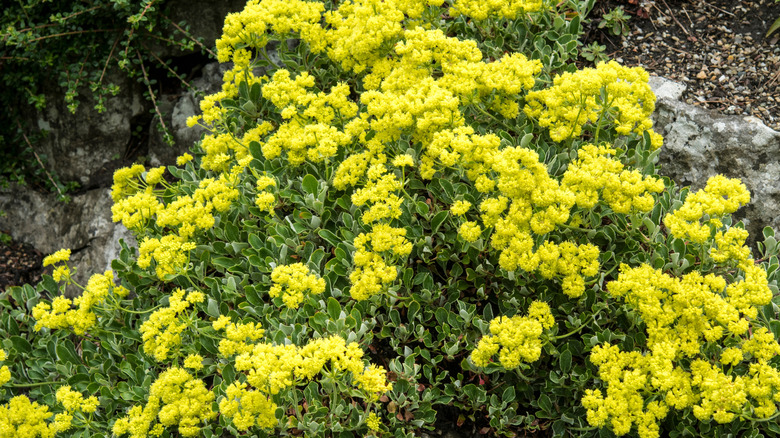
(83, 225)
(76, 145)
(699, 144)
(177, 110)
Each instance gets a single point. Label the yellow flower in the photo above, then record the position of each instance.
(293, 283)
(460, 207)
(185, 157)
(62, 255)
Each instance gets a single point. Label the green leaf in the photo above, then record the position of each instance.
(20, 344)
(66, 351)
(412, 310)
(213, 308)
(223, 262)
(255, 241)
(310, 184)
(334, 309)
(565, 361)
(773, 28)
(256, 150)
(526, 140)
(438, 220)
(509, 395)
(545, 404)
(330, 237)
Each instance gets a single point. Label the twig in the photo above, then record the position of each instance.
(116, 41)
(679, 50)
(51, 180)
(189, 36)
(689, 17)
(75, 32)
(675, 19)
(715, 7)
(151, 93)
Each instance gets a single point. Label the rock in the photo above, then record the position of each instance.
(84, 225)
(77, 144)
(699, 144)
(178, 109)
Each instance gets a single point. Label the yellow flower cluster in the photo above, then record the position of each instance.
(5, 373)
(461, 147)
(575, 99)
(294, 283)
(720, 196)
(73, 401)
(379, 194)
(161, 333)
(683, 315)
(515, 339)
(372, 272)
(176, 398)
(310, 133)
(78, 314)
(272, 368)
(189, 213)
(170, 252)
(483, 9)
(265, 200)
(22, 418)
(127, 181)
(623, 190)
(247, 407)
(248, 29)
(236, 335)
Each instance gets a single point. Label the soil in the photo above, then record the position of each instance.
(717, 48)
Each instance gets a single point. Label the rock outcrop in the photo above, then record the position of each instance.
(699, 144)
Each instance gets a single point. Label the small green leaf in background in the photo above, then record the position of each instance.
(310, 184)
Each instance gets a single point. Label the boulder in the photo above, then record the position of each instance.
(83, 225)
(77, 144)
(699, 143)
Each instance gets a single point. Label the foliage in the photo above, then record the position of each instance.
(595, 52)
(616, 22)
(445, 224)
(73, 46)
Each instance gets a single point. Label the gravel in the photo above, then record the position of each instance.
(717, 48)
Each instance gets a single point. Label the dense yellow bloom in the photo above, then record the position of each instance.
(372, 272)
(273, 368)
(5, 373)
(294, 283)
(62, 255)
(248, 408)
(171, 254)
(183, 159)
(74, 401)
(161, 333)
(126, 181)
(683, 316)
(460, 207)
(175, 399)
(515, 339)
(22, 418)
(482, 9)
(135, 211)
(720, 196)
(624, 190)
(78, 313)
(575, 100)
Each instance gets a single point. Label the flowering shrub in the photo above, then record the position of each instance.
(406, 217)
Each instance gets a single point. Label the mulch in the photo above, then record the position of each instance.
(19, 264)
